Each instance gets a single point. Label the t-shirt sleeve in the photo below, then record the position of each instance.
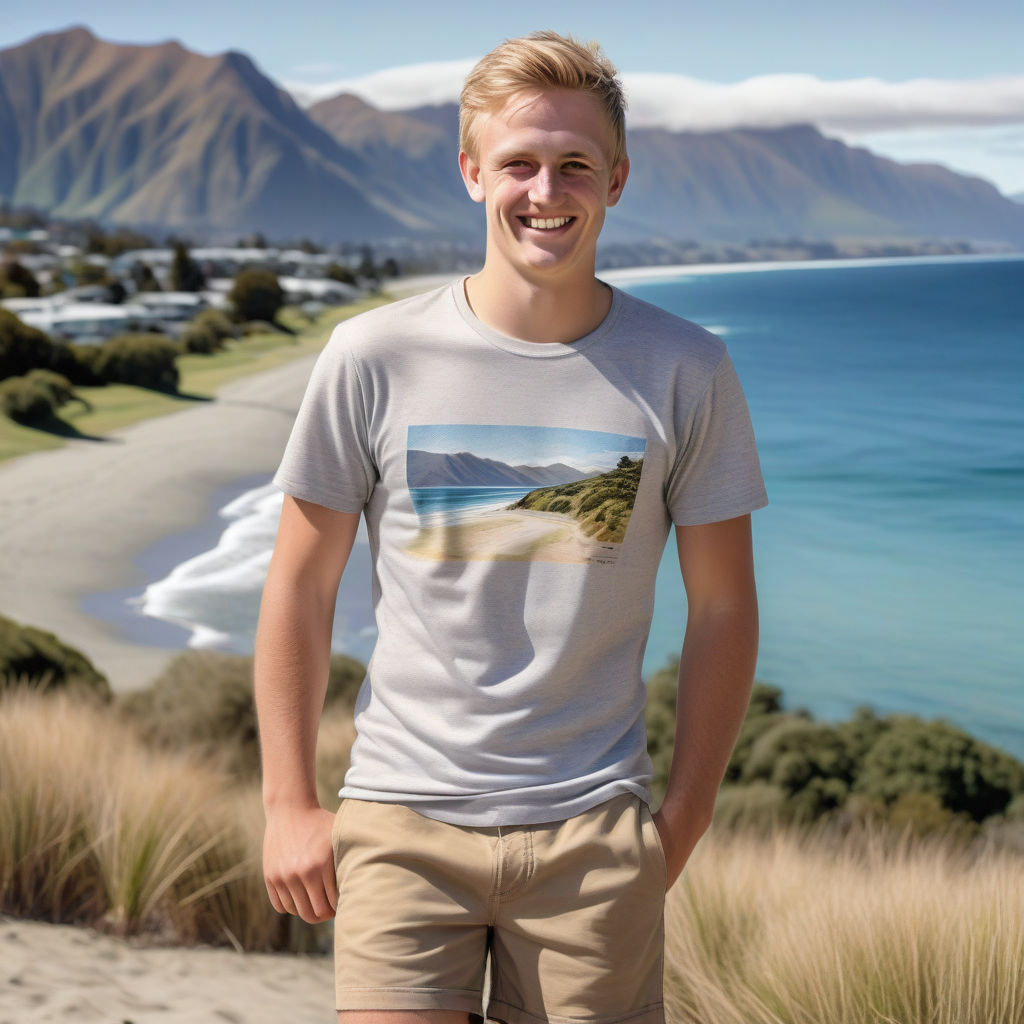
(716, 474)
(327, 459)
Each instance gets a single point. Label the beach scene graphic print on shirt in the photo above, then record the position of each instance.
(521, 493)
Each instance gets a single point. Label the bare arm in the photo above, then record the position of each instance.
(716, 671)
(291, 667)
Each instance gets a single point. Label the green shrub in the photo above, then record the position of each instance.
(928, 776)
(961, 772)
(200, 339)
(660, 719)
(22, 348)
(36, 656)
(218, 322)
(145, 360)
(16, 280)
(207, 332)
(256, 295)
(34, 397)
(808, 760)
(205, 699)
(79, 363)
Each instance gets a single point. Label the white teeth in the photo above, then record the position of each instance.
(546, 222)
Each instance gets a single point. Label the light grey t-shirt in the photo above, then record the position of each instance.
(518, 497)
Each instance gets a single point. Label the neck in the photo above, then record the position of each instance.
(546, 311)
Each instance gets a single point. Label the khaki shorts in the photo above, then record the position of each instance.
(570, 914)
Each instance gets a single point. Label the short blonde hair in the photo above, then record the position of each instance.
(542, 60)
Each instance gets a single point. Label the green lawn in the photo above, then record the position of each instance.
(118, 405)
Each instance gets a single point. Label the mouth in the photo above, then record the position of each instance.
(546, 223)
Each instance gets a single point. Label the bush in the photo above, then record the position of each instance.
(207, 332)
(964, 774)
(218, 322)
(34, 397)
(17, 280)
(146, 360)
(199, 339)
(205, 699)
(79, 363)
(34, 655)
(660, 719)
(22, 348)
(256, 295)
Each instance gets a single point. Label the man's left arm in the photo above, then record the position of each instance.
(716, 671)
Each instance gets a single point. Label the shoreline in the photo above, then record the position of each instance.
(76, 518)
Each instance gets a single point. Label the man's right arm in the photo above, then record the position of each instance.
(291, 668)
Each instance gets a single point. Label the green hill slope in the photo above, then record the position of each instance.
(601, 503)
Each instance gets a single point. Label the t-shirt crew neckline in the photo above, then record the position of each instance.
(534, 349)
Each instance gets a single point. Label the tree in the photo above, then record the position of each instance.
(18, 281)
(337, 272)
(366, 265)
(624, 463)
(144, 278)
(186, 274)
(256, 295)
(22, 348)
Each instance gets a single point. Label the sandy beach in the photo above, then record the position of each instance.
(60, 972)
(74, 518)
(512, 535)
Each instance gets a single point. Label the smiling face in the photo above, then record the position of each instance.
(542, 168)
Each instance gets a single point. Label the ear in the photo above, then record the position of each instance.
(471, 176)
(617, 182)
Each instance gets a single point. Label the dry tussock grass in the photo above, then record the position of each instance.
(802, 929)
(789, 928)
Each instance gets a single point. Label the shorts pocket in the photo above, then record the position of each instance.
(653, 837)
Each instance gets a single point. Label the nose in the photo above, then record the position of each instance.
(544, 186)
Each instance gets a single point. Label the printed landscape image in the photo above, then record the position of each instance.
(521, 493)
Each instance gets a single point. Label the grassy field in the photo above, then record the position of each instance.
(119, 405)
(791, 927)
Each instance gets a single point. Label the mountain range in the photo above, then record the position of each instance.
(464, 469)
(158, 136)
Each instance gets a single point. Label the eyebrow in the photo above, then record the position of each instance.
(517, 151)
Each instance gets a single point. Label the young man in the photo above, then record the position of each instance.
(520, 444)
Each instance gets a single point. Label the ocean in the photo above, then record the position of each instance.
(888, 402)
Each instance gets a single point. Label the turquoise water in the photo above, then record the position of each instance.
(888, 403)
(447, 503)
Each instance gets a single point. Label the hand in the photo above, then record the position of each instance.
(298, 862)
(678, 845)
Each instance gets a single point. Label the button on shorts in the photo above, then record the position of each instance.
(569, 913)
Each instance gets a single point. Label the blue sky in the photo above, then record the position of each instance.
(940, 81)
(526, 445)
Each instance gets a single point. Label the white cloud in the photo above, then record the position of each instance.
(414, 85)
(951, 121)
(679, 102)
(851, 105)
